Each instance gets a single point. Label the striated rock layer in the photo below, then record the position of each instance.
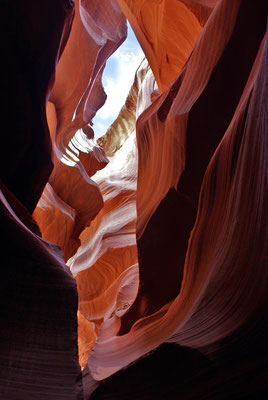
(39, 296)
(202, 172)
(97, 30)
(162, 221)
(38, 335)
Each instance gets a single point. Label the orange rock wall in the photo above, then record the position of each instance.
(162, 221)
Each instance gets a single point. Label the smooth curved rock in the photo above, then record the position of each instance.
(72, 104)
(163, 220)
(38, 338)
(211, 264)
(36, 35)
(105, 265)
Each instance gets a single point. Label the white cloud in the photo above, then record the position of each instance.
(117, 79)
(100, 126)
(117, 85)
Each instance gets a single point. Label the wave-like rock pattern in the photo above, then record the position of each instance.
(202, 172)
(97, 30)
(39, 296)
(35, 37)
(105, 265)
(157, 24)
(38, 335)
(163, 221)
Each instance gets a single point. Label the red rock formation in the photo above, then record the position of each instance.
(72, 104)
(191, 238)
(38, 335)
(31, 51)
(39, 340)
(167, 32)
(105, 265)
(189, 268)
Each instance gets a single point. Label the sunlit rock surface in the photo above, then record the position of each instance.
(97, 30)
(38, 355)
(162, 221)
(106, 265)
(197, 188)
(167, 32)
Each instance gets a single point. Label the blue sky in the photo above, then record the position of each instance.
(117, 79)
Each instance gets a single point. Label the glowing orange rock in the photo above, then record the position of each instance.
(189, 267)
(105, 265)
(72, 104)
(212, 152)
(156, 25)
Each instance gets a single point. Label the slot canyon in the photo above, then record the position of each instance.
(135, 262)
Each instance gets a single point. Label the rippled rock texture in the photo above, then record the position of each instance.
(162, 221)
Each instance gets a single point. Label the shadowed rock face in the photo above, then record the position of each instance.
(172, 372)
(162, 221)
(208, 121)
(38, 351)
(39, 297)
(38, 320)
(35, 37)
